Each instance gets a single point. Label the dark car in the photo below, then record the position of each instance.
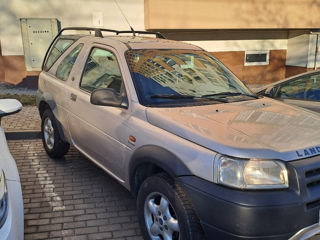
(302, 90)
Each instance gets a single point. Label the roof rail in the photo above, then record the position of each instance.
(158, 35)
(98, 31)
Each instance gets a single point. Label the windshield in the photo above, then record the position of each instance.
(171, 77)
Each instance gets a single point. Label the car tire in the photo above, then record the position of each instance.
(165, 212)
(52, 141)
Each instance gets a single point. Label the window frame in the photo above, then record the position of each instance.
(142, 101)
(123, 91)
(51, 49)
(56, 70)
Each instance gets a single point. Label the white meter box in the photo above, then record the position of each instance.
(37, 34)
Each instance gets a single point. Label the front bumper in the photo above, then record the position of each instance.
(227, 213)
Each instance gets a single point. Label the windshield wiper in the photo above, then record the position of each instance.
(228, 94)
(179, 96)
(172, 96)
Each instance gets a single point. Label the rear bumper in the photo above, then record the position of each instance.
(234, 214)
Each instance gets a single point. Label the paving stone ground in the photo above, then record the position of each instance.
(69, 198)
(27, 119)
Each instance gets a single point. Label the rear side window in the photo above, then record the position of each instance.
(58, 49)
(66, 65)
(101, 71)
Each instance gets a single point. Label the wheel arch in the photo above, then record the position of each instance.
(149, 160)
(50, 104)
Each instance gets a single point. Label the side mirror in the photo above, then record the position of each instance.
(9, 106)
(270, 92)
(108, 97)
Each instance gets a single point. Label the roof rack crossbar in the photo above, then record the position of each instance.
(158, 35)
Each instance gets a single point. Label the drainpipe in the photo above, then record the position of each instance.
(316, 32)
(316, 53)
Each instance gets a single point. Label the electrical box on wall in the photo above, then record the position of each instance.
(37, 34)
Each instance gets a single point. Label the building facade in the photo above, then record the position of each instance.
(260, 41)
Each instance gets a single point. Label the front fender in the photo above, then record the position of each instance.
(160, 157)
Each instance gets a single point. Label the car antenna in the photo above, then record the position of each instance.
(133, 32)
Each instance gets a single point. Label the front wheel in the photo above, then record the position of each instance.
(52, 142)
(164, 211)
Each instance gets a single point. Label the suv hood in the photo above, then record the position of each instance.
(262, 128)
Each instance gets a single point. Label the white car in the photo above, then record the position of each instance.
(11, 201)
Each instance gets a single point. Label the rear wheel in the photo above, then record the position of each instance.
(52, 141)
(164, 211)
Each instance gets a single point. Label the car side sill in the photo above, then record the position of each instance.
(97, 163)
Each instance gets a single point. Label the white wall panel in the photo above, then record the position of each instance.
(70, 13)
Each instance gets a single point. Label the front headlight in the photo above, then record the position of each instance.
(250, 174)
(3, 199)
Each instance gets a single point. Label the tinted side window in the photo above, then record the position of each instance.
(304, 88)
(101, 71)
(66, 64)
(58, 49)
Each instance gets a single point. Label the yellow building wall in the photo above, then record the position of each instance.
(232, 14)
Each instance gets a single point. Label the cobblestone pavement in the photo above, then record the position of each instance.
(27, 119)
(69, 198)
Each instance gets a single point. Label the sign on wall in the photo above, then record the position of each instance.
(37, 34)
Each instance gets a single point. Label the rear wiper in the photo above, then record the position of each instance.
(172, 96)
(229, 94)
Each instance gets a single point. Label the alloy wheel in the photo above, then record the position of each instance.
(160, 218)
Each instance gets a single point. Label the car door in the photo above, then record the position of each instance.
(56, 79)
(303, 91)
(100, 132)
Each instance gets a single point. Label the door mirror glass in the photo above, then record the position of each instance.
(107, 97)
(9, 106)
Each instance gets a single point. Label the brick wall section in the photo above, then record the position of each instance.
(264, 74)
(13, 70)
(292, 70)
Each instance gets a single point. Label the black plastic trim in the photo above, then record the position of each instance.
(236, 214)
(160, 157)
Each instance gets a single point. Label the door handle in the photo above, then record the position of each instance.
(73, 97)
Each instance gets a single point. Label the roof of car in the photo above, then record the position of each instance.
(138, 42)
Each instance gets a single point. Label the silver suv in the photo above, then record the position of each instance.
(205, 157)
